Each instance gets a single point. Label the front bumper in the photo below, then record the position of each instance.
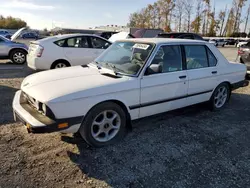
(243, 83)
(35, 122)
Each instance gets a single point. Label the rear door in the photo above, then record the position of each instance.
(97, 46)
(202, 73)
(77, 50)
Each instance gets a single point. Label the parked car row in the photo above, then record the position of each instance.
(130, 79)
(244, 55)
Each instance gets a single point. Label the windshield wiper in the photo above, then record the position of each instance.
(114, 69)
(97, 64)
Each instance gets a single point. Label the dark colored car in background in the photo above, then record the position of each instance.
(244, 56)
(192, 36)
(29, 36)
(106, 34)
(230, 41)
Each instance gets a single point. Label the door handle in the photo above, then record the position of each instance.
(182, 77)
(214, 72)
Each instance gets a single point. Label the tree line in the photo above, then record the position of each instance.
(11, 23)
(198, 16)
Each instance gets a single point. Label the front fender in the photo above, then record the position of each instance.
(81, 107)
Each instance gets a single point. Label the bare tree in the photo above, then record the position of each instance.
(166, 8)
(197, 21)
(188, 7)
(207, 10)
(179, 7)
(222, 16)
(238, 4)
(248, 12)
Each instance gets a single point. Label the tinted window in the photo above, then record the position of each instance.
(212, 60)
(196, 57)
(1, 40)
(76, 42)
(60, 43)
(99, 43)
(169, 57)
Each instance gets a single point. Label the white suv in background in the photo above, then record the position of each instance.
(65, 51)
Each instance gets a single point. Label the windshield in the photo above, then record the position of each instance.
(125, 57)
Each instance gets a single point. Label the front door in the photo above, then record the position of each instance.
(166, 90)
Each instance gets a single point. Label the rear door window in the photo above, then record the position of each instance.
(196, 56)
(74, 42)
(99, 43)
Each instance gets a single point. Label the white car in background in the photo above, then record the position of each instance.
(242, 43)
(132, 79)
(217, 42)
(65, 51)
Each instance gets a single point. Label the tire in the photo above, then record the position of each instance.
(223, 45)
(104, 134)
(18, 56)
(60, 64)
(219, 95)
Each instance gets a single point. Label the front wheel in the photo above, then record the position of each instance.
(220, 96)
(18, 56)
(105, 124)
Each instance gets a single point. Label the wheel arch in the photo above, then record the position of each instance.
(122, 105)
(224, 82)
(59, 60)
(13, 49)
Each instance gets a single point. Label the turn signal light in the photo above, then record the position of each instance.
(63, 125)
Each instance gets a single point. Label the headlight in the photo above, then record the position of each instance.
(44, 109)
(37, 104)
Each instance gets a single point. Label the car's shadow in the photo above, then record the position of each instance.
(9, 70)
(6, 93)
(191, 147)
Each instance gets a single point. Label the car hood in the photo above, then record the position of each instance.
(17, 33)
(70, 83)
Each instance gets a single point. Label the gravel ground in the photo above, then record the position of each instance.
(191, 147)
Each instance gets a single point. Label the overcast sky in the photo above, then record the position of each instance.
(40, 14)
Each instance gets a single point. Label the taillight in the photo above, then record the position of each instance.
(240, 52)
(40, 51)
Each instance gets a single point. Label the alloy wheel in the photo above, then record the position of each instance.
(105, 126)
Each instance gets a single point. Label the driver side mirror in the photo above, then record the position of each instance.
(153, 69)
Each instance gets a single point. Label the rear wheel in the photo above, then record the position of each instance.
(105, 124)
(60, 64)
(220, 96)
(18, 56)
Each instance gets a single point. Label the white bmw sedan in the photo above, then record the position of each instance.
(132, 79)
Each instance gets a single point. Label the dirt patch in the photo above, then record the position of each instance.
(191, 147)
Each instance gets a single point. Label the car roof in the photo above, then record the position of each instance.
(165, 40)
(72, 35)
(64, 36)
